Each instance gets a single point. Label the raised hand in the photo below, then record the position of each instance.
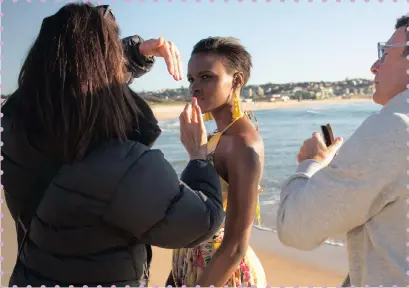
(193, 132)
(166, 49)
(315, 149)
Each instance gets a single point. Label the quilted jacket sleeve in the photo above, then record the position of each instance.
(159, 209)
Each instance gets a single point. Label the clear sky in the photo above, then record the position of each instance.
(289, 42)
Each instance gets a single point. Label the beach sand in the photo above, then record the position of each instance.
(325, 266)
(283, 266)
(169, 111)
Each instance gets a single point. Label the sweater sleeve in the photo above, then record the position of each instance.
(158, 209)
(317, 203)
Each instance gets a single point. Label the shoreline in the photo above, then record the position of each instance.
(168, 111)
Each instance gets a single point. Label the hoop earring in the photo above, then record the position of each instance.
(236, 110)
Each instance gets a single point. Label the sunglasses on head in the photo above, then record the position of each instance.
(107, 10)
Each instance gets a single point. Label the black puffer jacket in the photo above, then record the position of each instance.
(97, 219)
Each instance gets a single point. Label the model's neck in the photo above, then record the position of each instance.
(223, 116)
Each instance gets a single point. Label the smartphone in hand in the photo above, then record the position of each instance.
(327, 133)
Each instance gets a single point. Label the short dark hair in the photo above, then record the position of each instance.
(236, 56)
(403, 22)
(71, 91)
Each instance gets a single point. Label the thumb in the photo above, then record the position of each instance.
(160, 42)
(336, 145)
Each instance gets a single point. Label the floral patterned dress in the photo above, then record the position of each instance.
(188, 263)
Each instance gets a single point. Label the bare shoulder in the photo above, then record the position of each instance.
(243, 137)
(241, 147)
(242, 144)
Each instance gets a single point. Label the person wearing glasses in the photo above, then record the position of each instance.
(139, 56)
(86, 192)
(362, 191)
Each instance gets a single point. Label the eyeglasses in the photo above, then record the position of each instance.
(107, 10)
(383, 45)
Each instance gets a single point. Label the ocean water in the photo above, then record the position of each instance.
(283, 130)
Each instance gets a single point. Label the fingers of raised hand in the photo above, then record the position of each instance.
(200, 119)
(166, 52)
(176, 62)
(319, 138)
(316, 135)
(181, 122)
(187, 113)
(170, 53)
(197, 114)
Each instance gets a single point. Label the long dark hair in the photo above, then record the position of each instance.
(71, 89)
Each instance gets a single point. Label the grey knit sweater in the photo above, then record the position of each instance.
(361, 193)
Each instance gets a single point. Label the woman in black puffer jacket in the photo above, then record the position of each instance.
(80, 179)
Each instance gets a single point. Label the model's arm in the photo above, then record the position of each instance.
(244, 174)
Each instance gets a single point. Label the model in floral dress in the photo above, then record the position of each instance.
(218, 69)
(188, 263)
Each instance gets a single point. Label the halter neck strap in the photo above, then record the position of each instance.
(228, 126)
(214, 140)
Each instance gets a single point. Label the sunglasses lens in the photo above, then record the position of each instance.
(380, 51)
(107, 10)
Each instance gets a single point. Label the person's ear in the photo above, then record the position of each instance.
(238, 81)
